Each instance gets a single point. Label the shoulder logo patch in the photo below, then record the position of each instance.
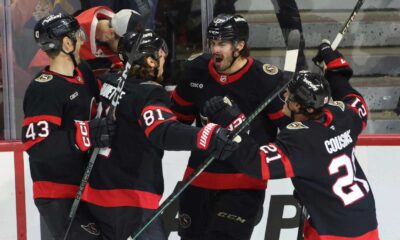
(44, 78)
(270, 69)
(194, 56)
(296, 126)
(339, 104)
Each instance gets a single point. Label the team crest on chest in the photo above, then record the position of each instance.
(296, 125)
(270, 69)
(44, 78)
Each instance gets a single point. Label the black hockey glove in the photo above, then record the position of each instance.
(333, 60)
(215, 141)
(96, 133)
(222, 111)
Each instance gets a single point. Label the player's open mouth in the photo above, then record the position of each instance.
(218, 59)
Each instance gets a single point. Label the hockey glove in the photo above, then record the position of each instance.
(96, 133)
(332, 60)
(222, 111)
(215, 141)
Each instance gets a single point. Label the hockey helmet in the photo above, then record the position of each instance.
(310, 90)
(146, 43)
(228, 27)
(126, 20)
(50, 30)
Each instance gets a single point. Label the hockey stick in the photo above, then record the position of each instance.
(289, 70)
(110, 115)
(345, 26)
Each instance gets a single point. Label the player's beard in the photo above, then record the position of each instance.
(222, 63)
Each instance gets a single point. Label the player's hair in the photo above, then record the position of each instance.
(310, 90)
(144, 44)
(230, 27)
(49, 32)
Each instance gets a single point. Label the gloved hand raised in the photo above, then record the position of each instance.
(96, 133)
(222, 111)
(332, 59)
(215, 141)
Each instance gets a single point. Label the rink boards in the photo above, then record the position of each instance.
(379, 156)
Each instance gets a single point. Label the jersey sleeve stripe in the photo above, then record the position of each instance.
(154, 107)
(276, 115)
(178, 99)
(29, 144)
(264, 166)
(352, 95)
(184, 116)
(286, 164)
(156, 124)
(48, 118)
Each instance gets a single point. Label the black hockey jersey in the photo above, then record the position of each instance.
(52, 103)
(319, 157)
(130, 172)
(248, 88)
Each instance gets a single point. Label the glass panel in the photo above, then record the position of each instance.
(371, 45)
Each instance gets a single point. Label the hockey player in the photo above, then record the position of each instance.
(221, 189)
(127, 181)
(57, 131)
(317, 152)
(104, 28)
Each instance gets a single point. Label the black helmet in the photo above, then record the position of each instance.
(50, 30)
(228, 27)
(309, 89)
(146, 43)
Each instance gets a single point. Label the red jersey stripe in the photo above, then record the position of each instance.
(46, 189)
(286, 164)
(220, 181)
(48, 118)
(121, 198)
(182, 102)
(276, 115)
(311, 233)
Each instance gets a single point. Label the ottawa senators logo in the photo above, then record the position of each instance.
(44, 78)
(296, 125)
(270, 69)
(91, 228)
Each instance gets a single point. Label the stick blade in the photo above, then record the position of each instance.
(292, 51)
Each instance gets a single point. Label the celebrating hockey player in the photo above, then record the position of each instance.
(57, 130)
(230, 71)
(126, 183)
(317, 152)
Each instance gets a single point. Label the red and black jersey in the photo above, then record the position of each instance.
(248, 88)
(130, 172)
(51, 105)
(99, 55)
(318, 156)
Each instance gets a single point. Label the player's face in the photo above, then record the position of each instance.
(289, 106)
(221, 51)
(161, 62)
(80, 39)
